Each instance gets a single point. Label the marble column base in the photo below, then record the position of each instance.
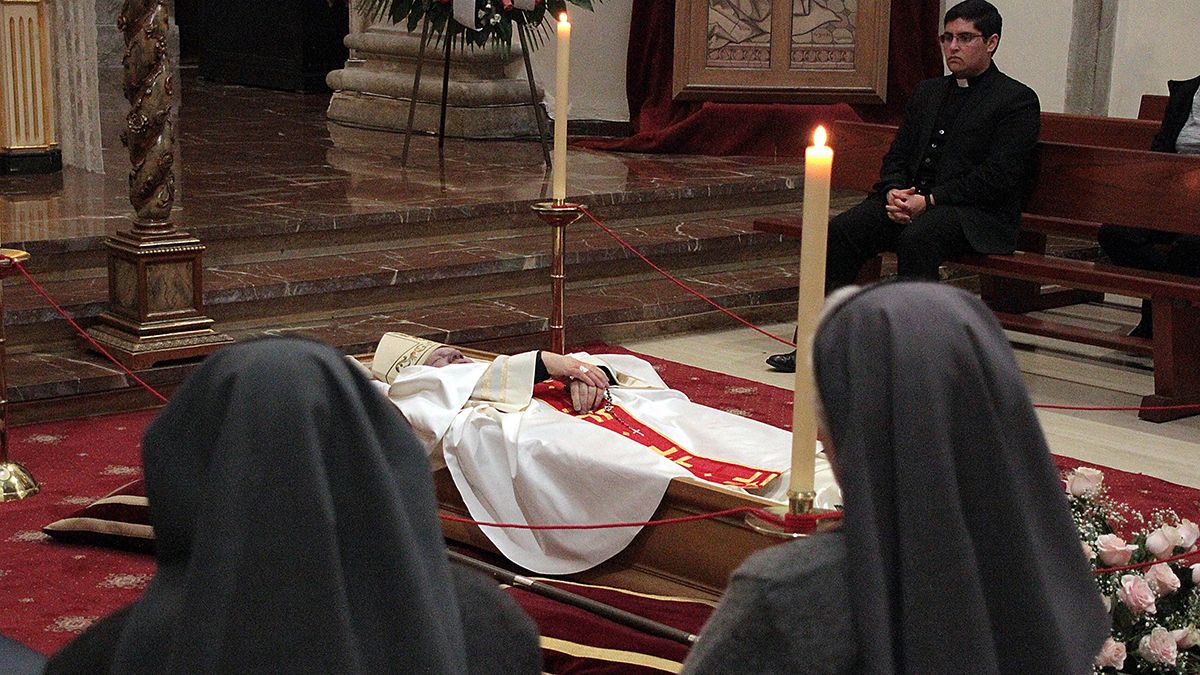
(485, 98)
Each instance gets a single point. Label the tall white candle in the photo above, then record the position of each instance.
(818, 164)
(561, 69)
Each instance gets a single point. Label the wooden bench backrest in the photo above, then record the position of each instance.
(1106, 132)
(1153, 107)
(1138, 188)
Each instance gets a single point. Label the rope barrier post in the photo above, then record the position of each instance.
(558, 214)
(15, 480)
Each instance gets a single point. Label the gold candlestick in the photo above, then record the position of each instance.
(15, 480)
(558, 214)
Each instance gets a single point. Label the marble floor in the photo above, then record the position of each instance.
(1057, 373)
(257, 161)
(317, 228)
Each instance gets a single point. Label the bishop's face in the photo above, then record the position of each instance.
(444, 356)
(967, 52)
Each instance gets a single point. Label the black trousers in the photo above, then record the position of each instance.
(1151, 250)
(864, 231)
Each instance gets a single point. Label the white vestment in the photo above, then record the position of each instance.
(517, 459)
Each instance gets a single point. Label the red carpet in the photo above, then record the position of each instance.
(52, 591)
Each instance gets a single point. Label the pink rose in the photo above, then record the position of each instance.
(1196, 574)
(1159, 647)
(1084, 481)
(1186, 638)
(1112, 655)
(1189, 532)
(1114, 552)
(1136, 594)
(1162, 579)
(1162, 542)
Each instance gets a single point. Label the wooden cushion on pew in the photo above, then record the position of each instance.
(1106, 132)
(1153, 107)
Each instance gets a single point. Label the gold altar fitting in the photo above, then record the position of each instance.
(798, 519)
(558, 214)
(801, 502)
(15, 480)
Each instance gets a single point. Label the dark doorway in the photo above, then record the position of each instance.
(288, 45)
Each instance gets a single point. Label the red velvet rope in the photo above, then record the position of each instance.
(790, 522)
(1142, 565)
(95, 345)
(677, 282)
(100, 348)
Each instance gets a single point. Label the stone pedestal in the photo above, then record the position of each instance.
(488, 95)
(155, 300)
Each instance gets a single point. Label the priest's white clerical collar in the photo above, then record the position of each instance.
(963, 82)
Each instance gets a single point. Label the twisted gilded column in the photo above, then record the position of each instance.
(149, 132)
(155, 272)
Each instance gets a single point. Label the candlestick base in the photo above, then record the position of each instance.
(558, 213)
(798, 519)
(8, 256)
(16, 482)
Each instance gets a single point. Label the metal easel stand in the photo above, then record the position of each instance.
(412, 101)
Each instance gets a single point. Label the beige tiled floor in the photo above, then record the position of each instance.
(1056, 372)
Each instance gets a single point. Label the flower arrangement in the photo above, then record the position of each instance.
(1142, 571)
(495, 18)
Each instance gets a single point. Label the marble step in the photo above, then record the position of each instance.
(495, 262)
(65, 380)
(231, 232)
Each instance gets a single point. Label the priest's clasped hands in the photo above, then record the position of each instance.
(586, 383)
(905, 204)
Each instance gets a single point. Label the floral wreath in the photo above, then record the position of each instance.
(495, 19)
(1142, 570)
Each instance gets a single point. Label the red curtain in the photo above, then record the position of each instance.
(663, 125)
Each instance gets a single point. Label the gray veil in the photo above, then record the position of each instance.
(963, 555)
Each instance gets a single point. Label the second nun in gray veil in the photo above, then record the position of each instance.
(957, 553)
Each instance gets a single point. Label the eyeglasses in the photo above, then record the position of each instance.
(963, 38)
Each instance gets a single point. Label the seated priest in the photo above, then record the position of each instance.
(546, 439)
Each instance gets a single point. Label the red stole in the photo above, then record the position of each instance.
(619, 420)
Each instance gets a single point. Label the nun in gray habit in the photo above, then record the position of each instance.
(297, 532)
(957, 553)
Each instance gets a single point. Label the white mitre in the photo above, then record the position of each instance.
(399, 350)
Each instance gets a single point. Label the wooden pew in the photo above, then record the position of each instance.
(1153, 107)
(1081, 183)
(1106, 132)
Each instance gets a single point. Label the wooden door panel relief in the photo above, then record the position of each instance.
(781, 51)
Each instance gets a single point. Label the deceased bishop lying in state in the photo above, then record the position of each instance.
(547, 439)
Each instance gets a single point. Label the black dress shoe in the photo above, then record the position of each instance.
(1145, 329)
(784, 363)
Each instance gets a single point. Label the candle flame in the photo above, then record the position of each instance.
(819, 136)
(562, 17)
